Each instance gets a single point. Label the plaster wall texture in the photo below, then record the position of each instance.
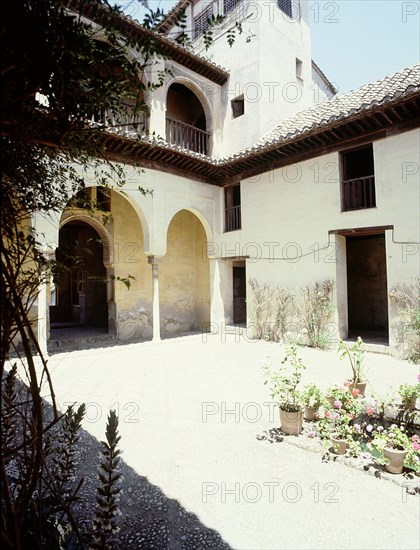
(184, 276)
(287, 215)
(133, 305)
(264, 75)
(295, 207)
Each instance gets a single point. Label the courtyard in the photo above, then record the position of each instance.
(198, 474)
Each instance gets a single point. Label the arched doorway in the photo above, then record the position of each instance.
(184, 276)
(80, 284)
(186, 124)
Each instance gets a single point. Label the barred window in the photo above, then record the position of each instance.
(229, 5)
(285, 6)
(201, 22)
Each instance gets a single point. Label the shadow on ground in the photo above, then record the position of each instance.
(149, 519)
(63, 340)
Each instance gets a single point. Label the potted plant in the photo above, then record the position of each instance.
(356, 356)
(409, 394)
(312, 399)
(336, 428)
(284, 388)
(396, 448)
(336, 393)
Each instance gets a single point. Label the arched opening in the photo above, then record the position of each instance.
(186, 124)
(80, 284)
(102, 241)
(184, 276)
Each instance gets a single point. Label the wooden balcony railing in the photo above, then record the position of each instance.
(233, 218)
(359, 193)
(121, 124)
(187, 136)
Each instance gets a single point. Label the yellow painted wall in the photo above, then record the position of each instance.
(133, 305)
(184, 278)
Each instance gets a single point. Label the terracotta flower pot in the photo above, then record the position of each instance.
(339, 445)
(291, 422)
(396, 460)
(361, 386)
(310, 413)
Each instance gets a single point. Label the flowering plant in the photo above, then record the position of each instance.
(341, 398)
(393, 438)
(284, 383)
(312, 396)
(355, 355)
(396, 439)
(409, 392)
(337, 393)
(337, 423)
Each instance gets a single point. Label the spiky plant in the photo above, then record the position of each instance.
(8, 413)
(108, 492)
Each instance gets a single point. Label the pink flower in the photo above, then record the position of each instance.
(369, 428)
(380, 428)
(312, 433)
(338, 404)
(418, 378)
(355, 392)
(357, 428)
(415, 438)
(416, 446)
(346, 383)
(350, 415)
(327, 414)
(370, 411)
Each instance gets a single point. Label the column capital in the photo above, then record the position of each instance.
(154, 260)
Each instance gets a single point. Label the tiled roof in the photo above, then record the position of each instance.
(339, 108)
(167, 46)
(392, 103)
(172, 14)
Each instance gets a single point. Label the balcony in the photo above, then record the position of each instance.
(232, 218)
(186, 136)
(123, 124)
(359, 193)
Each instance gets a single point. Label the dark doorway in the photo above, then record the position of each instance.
(239, 295)
(367, 289)
(80, 282)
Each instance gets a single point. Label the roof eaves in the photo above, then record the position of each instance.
(324, 78)
(169, 47)
(322, 125)
(170, 18)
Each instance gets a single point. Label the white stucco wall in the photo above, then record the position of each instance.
(262, 67)
(288, 214)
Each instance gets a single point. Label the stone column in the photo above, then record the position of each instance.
(42, 335)
(43, 300)
(154, 261)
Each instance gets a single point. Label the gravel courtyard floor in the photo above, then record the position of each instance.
(197, 476)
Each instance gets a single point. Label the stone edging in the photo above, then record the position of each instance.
(410, 481)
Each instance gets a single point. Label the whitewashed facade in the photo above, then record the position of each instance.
(257, 172)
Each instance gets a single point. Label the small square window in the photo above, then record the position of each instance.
(299, 66)
(286, 7)
(238, 107)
